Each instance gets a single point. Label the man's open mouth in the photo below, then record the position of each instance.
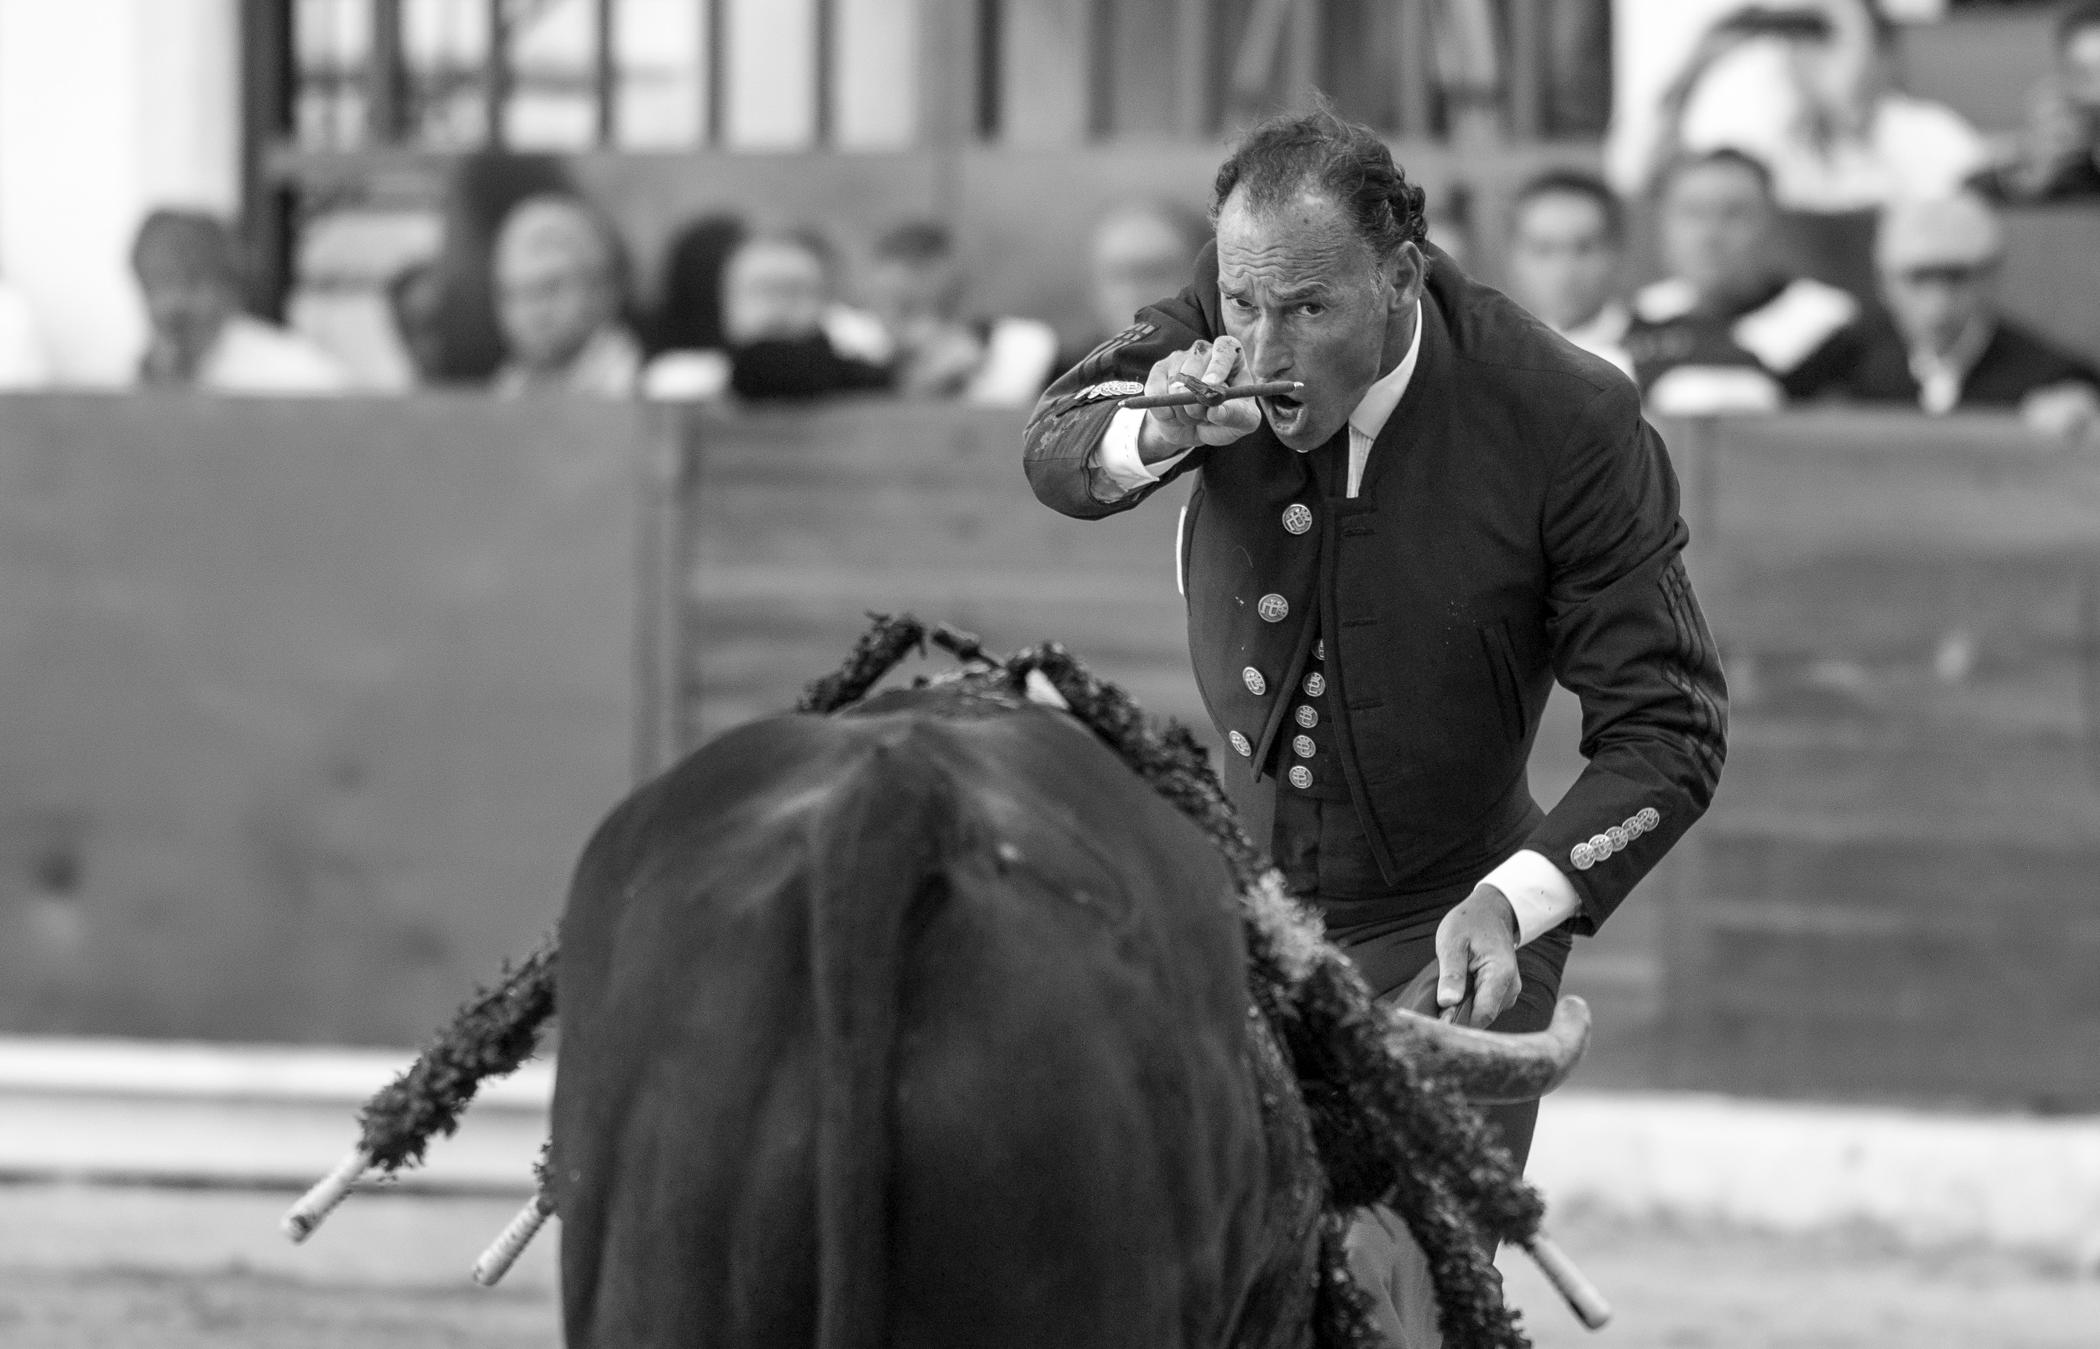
(1284, 406)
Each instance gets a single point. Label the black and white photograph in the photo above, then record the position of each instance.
(1049, 674)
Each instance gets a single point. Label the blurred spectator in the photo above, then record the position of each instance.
(483, 191)
(1140, 251)
(1727, 330)
(690, 317)
(1809, 89)
(189, 269)
(1942, 344)
(2058, 155)
(916, 288)
(415, 301)
(22, 361)
(1567, 241)
(560, 288)
(787, 335)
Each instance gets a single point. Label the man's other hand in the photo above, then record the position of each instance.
(1476, 958)
(1171, 431)
(2068, 412)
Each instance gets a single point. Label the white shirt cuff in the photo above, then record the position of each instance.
(1116, 455)
(1542, 897)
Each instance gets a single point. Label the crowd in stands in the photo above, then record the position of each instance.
(1776, 117)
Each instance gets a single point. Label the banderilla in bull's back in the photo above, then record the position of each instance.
(1388, 1124)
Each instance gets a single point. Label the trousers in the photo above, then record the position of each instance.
(1390, 934)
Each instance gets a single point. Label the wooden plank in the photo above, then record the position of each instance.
(1858, 480)
(1893, 968)
(310, 704)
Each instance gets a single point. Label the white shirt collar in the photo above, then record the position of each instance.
(1376, 406)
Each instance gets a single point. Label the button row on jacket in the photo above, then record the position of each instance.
(1600, 846)
(1273, 608)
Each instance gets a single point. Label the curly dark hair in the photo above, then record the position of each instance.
(1342, 160)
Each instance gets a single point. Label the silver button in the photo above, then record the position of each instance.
(1303, 746)
(1240, 745)
(1273, 608)
(1315, 684)
(1600, 844)
(1617, 834)
(1308, 717)
(1649, 817)
(1582, 857)
(1301, 777)
(1320, 649)
(1297, 518)
(1256, 685)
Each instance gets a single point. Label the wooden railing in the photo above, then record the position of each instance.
(309, 706)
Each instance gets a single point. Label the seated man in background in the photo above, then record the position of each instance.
(1942, 344)
(188, 266)
(1728, 330)
(2057, 157)
(560, 294)
(788, 337)
(1567, 240)
(1812, 89)
(916, 288)
(1138, 252)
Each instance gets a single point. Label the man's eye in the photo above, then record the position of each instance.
(1238, 302)
(1311, 309)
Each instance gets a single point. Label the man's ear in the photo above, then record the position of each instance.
(1405, 271)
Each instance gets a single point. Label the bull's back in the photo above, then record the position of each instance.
(1071, 1149)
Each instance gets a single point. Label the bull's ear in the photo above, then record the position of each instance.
(1040, 690)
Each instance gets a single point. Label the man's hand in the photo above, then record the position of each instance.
(2068, 412)
(1171, 431)
(1476, 958)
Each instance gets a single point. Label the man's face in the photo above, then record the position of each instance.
(1939, 270)
(1308, 300)
(1716, 229)
(2078, 68)
(772, 289)
(914, 300)
(550, 298)
(1137, 260)
(186, 304)
(1563, 262)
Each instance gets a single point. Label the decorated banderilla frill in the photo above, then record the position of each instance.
(495, 1031)
(1385, 1130)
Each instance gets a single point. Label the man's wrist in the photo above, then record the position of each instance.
(1492, 898)
(1153, 445)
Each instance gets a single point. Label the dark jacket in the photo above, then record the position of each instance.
(2013, 364)
(1517, 522)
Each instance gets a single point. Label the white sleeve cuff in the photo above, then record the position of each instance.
(1542, 897)
(1117, 458)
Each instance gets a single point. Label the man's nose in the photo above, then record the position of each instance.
(1268, 356)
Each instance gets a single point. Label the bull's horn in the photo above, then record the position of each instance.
(1488, 1067)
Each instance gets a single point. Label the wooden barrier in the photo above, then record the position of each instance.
(308, 706)
(786, 529)
(1894, 890)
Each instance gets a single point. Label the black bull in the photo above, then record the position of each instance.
(898, 1028)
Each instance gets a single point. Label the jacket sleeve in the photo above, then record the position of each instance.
(1627, 637)
(1058, 444)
